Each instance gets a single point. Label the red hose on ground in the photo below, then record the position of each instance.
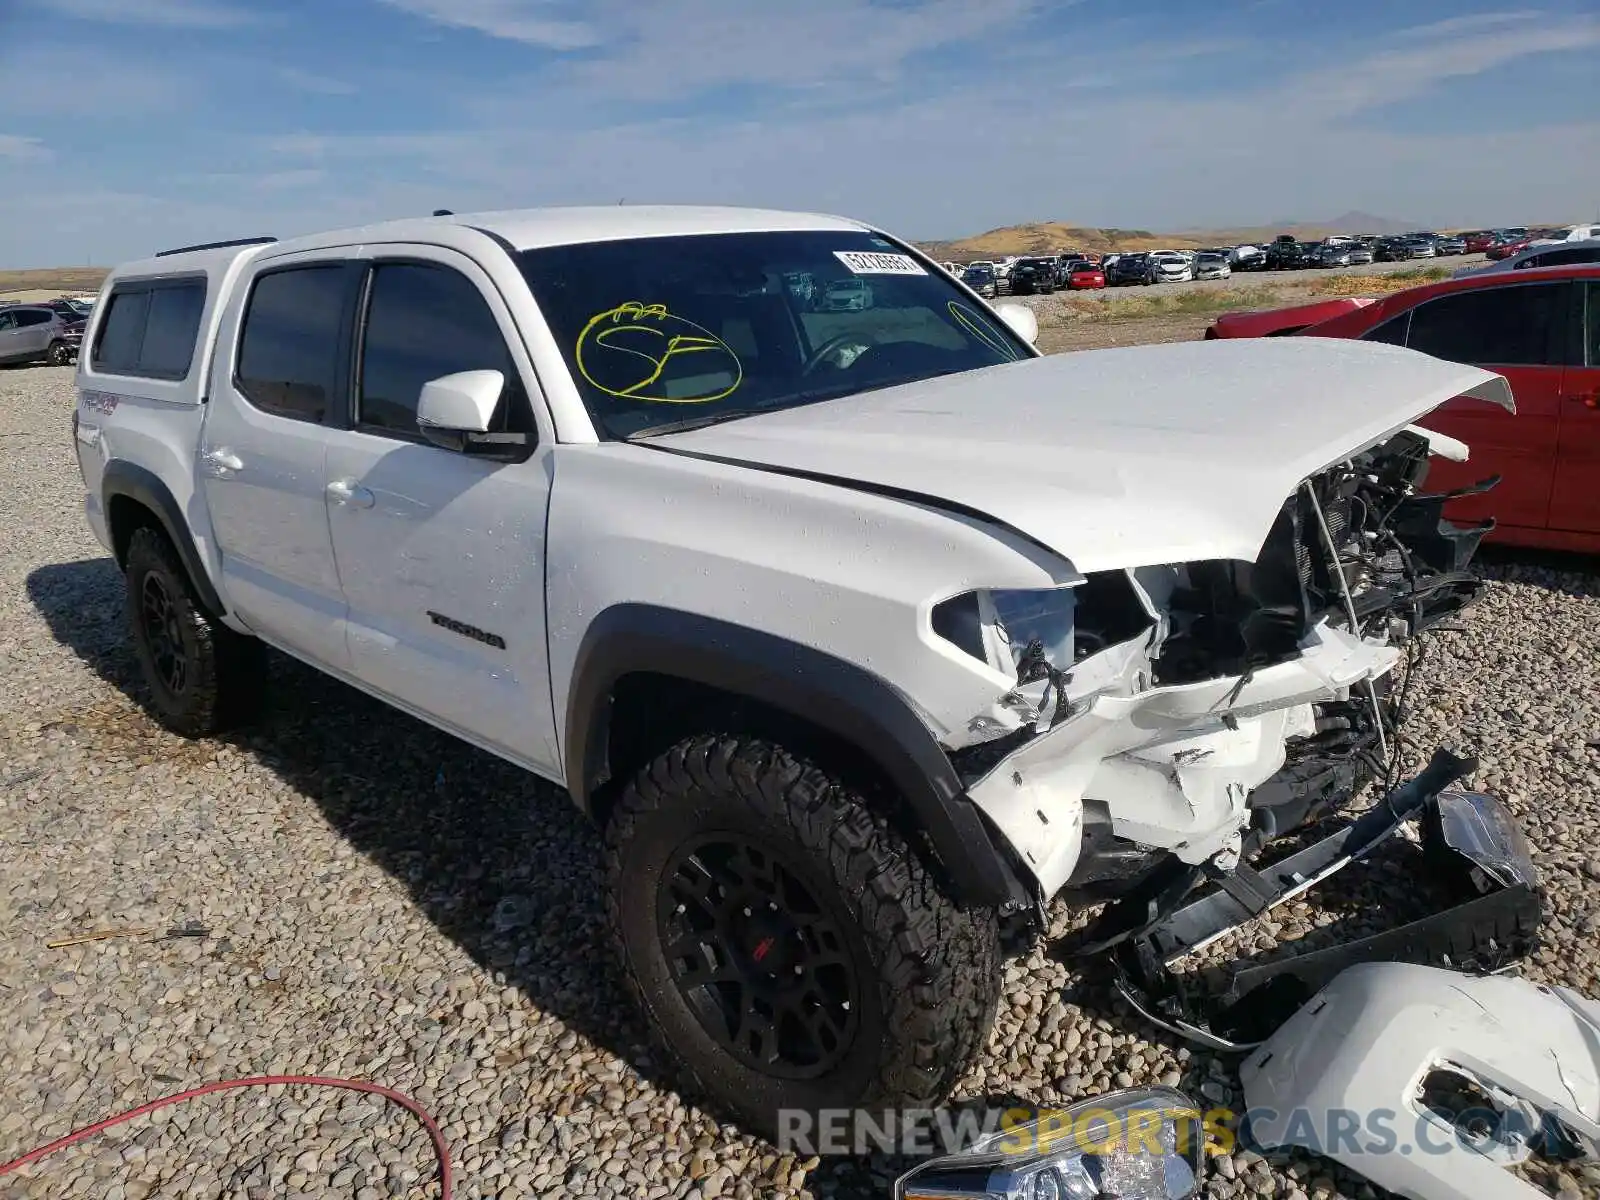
(441, 1151)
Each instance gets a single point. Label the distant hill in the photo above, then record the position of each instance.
(1047, 237)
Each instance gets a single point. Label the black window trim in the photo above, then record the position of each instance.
(1564, 347)
(349, 414)
(146, 285)
(354, 269)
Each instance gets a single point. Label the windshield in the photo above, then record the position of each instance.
(659, 331)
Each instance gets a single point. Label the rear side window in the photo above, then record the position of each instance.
(170, 329)
(151, 329)
(1508, 326)
(289, 349)
(33, 316)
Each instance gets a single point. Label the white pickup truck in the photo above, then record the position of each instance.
(856, 628)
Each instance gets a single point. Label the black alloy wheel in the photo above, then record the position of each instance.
(761, 963)
(159, 615)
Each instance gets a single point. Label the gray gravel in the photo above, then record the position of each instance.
(368, 898)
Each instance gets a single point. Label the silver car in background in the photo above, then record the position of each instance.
(34, 333)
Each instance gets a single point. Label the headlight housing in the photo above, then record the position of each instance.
(997, 626)
(1146, 1144)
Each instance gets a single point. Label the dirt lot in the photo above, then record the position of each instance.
(341, 890)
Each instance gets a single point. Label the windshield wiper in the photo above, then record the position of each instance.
(689, 423)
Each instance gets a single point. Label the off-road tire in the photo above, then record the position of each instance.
(225, 671)
(930, 972)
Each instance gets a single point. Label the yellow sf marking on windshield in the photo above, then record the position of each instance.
(664, 335)
(981, 329)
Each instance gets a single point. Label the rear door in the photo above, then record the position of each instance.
(1575, 499)
(34, 327)
(1517, 330)
(264, 445)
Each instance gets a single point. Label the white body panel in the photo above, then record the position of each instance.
(1362, 1046)
(1094, 453)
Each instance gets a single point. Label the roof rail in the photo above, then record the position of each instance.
(249, 241)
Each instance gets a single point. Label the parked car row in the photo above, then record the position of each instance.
(1031, 275)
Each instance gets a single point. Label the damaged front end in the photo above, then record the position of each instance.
(1183, 715)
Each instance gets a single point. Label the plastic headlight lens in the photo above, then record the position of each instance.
(1140, 1145)
(997, 626)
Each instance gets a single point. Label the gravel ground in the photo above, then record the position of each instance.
(355, 894)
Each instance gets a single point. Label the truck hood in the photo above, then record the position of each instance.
(1113, 458)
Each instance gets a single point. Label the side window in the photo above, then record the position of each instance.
(1507, 326)
(1533, 260)
(116, 345)
(289, 347)
(423, 322)
(33, 316)
(7, 321)
(1562, 258)
(151, 329)
(1392, 332)
(171, 329)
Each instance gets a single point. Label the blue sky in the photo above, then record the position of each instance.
(130, 125)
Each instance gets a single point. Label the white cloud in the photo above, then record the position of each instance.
(15, 146)
(1469, 23)
(176, 14)
(313, 83)
(530, 21)
(1394, 75)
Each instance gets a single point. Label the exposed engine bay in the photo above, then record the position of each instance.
(1198, 710)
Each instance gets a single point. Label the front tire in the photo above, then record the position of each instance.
(202, 676)
(787, 948)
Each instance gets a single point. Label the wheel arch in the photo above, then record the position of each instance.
(645, 677)
(134, 498)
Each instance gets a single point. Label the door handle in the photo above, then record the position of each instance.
(223, 458)
(1589, 400)
(348, 491)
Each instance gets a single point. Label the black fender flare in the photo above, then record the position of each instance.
(844, 699)
(122, 478)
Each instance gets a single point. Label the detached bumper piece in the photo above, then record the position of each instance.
(1436, 1085)
(1471, 841)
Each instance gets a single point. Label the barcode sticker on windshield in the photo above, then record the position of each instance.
(863, 262)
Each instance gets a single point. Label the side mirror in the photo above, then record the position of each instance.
(1021, 320)
(454, 412)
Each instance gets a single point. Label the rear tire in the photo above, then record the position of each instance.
(59, 354)
(202, 676)
(787, 948)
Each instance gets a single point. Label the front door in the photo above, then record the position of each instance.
(1518, 331)
(441, 554)
(262, 455)
(1575, 500)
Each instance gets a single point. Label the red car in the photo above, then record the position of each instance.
(1085, 275)
(1499, 250)
(1479, 242)
(1540, 329)
(1278, 322)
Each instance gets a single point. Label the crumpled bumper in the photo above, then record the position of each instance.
(1433, 1083)
(1176, 765)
